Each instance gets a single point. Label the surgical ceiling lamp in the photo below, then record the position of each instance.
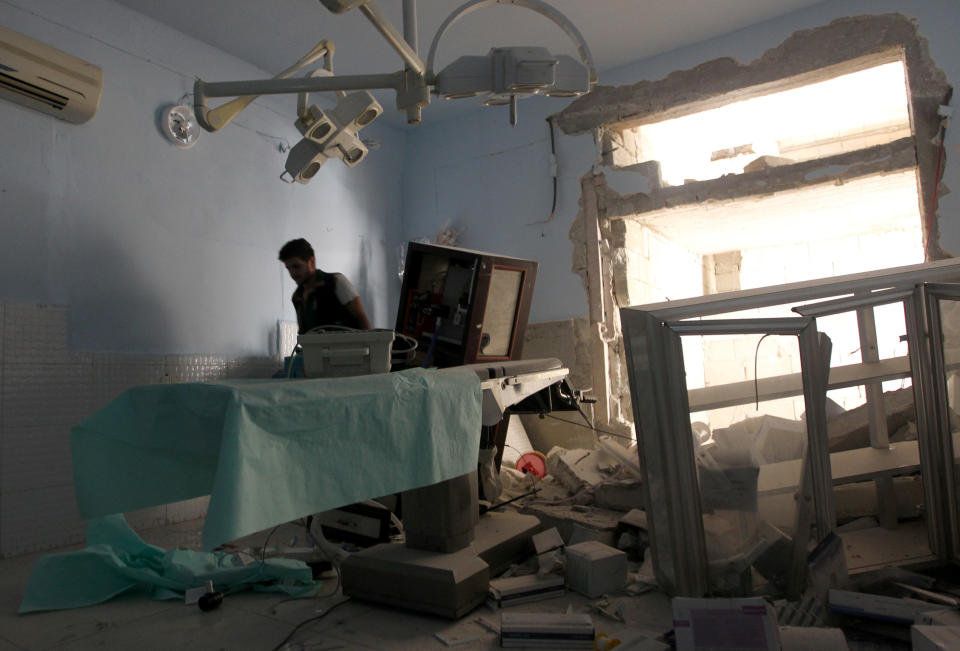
(501, 77)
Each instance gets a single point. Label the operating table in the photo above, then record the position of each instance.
(271, 451)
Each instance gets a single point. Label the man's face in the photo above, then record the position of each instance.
(300, 270)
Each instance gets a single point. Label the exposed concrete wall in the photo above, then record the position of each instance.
(845, 45)
(604, 250)
(566, 340)
(721, 272)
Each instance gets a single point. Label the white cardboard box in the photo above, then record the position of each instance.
(594, 568)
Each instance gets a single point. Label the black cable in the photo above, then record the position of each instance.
(590, 427)
(308, 621)
(263, 552)
(484, 509)
(553, 160)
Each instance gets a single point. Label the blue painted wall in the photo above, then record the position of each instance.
(493, 179)
(159, 250)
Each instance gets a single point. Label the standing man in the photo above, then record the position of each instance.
(321, 298)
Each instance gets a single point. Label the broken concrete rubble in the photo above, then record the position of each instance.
(577, 523)
(575, 469)
(851, 429)
(619, 494)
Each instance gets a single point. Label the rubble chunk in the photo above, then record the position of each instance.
(577, 523)
(576, 469)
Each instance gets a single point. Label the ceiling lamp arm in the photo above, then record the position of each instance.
(409, 55)
(534, 5)
(216, 119)
(303, 99)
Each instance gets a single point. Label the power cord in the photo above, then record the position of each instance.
(309, 621)
(593, 429)
(263, 552)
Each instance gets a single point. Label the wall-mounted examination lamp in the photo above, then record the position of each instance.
(503, 76)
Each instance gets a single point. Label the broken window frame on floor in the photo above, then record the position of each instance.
(662, 411)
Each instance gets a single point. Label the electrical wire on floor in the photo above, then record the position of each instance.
(315, 618)
(595, 430)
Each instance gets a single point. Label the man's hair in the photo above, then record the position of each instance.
(298, 248)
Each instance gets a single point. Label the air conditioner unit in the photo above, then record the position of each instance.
(46, 79)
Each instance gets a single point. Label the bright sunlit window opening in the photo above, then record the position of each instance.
(853, 111)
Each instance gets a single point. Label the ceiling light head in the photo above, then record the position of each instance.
(522, 70)
(509, 73)
(357, 110)
(348, 147)
(468, 76)
(304, 161)
(571, 78)
(315, 124)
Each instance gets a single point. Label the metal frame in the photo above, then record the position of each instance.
(665, 438)
(905, 277)
(661, 416)
(920, 374)
(651, 336)
(930, 297)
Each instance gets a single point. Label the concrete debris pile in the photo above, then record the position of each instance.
(596, 536)
(592, 495)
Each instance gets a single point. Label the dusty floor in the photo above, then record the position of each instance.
(263, 621)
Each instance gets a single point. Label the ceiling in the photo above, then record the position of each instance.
(272, 34)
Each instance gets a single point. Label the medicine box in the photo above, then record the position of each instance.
(594, 568)
(725, 624)
(547, 630)
(341, 354)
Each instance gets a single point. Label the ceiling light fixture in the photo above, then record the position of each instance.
(501, 77)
